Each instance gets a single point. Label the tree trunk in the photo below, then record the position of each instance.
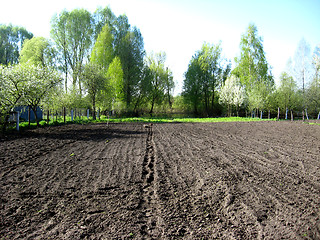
(206, 102)
(29, 115)
(212, 102)
(307, 114)
(152, 105)
(66, 82)
(64, 114)
(135, 109)
(34, 109)
(169, 99)
(5, 123)
(94, 108)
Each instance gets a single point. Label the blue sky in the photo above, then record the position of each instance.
(180, 27)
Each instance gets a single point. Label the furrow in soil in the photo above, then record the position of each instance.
(148, 201)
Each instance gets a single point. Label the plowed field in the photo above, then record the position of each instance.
(258, 180)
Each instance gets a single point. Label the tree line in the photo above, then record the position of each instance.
(94, 60)
(97, 60)
(211, 88)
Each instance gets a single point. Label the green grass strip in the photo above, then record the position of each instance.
(104, 119)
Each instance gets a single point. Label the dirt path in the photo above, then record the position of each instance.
(256, 180)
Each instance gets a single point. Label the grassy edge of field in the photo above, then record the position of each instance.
(104, 119)
(187, 120)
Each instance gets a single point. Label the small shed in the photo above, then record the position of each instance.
(24, 113)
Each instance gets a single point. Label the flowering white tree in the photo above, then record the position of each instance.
(25, 84)
(232, 94)
(36, 83)
(9, 91)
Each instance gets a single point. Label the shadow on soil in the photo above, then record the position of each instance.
(76, 132)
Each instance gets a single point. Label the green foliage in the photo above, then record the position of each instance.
(206, 72)
(179, 105)
(252, 69)
(94, 79)
(257, 96)
(130, 49)
(37, 81)
(25, 84)
(102, 17)
(161, 83)
(10, 90)
(313, 95)
(73, 33)
(252, 66)
(103, 52)
(38, 51)
(115, 80)
(286, 94)
(185, 120)
(11, 40)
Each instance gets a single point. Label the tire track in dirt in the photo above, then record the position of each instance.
(148, 205)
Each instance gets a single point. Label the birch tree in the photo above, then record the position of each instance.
(302, 69)
(252, 68)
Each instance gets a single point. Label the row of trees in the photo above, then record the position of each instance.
(106, 59)
(250, 85)
(94, 60)
(97, 60)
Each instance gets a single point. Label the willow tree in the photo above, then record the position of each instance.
(73, 34)
(129, 47)
(38, 51)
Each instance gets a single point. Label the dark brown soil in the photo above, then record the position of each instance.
(258, 180)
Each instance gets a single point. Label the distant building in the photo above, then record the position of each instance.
(24, 113)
